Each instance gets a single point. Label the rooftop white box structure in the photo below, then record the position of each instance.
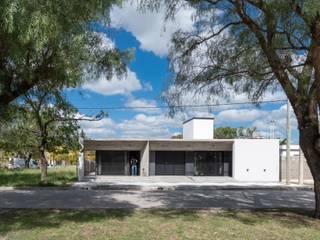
(198, 129)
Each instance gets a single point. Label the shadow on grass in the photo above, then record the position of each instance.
(31, 177)
(15, 220)
(288, 218)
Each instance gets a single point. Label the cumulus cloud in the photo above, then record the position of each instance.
(141, 126)
(150, 28)
(159, 125)
(146, 126)
(116, 86)
(142, 105)
(279, 116)
(240, 115)
(102, 129)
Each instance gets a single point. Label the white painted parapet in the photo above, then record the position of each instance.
(198, 129)
(256, 160)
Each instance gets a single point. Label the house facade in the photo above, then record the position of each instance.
(197, 154)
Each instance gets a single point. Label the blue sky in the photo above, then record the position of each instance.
(148, 76)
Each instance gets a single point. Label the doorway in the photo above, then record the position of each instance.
(133, 156)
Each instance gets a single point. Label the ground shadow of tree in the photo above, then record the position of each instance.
(13, 220)
(288, 218)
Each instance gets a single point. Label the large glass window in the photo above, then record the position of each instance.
(209, 163)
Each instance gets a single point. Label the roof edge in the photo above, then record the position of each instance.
(208, 118)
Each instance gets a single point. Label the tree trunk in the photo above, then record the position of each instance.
(43, 165)
(309, 140)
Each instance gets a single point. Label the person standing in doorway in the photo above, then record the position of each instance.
(134, 167)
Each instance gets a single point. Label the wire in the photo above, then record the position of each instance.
(181, 106)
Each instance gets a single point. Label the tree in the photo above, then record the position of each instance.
(46, 121)
(177, 136)
(52, 41)
(255, 46)
(225, 133)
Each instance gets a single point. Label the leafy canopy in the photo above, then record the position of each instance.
(253, 46)
(43, 118)
(53, 42)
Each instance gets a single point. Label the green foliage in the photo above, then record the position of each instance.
(225, 133)
(53, 42)
(177, 136)
(250, 46)
(44, 119)
(232, 133)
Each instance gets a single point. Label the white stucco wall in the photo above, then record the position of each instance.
(201, 129)
(256, 160)
(188, 130)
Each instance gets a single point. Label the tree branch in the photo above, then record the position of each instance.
(202, 40)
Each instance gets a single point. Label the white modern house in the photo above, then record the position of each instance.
(197, 154)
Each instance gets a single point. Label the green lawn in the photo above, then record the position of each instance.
(62, 176)
(157, 224)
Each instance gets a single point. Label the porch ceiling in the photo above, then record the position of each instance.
(190, 145)
(125, 145)
(158, 145)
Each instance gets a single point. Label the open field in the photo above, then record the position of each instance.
(157, 224)
(62, 176)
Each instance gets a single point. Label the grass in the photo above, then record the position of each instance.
(157, 224)
(63, 176)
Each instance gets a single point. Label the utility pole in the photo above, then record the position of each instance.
(301, 160)
(288, 167)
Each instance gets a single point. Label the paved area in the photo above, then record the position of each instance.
(177, 182)
(81, 199)
(160, 180)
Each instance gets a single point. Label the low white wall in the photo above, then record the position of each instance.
(256, 160)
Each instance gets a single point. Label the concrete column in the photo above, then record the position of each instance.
(144, 160)
(81, 160)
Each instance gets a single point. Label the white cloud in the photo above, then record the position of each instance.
(240, 115)
(150, 28)
(147, 87)
(116, 86)
(142, 105)
(159, 125)
(141, 126)
(102, 129)
(146, 126)
(279, 116)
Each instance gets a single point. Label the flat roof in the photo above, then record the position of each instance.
(158, 144)
(159, 140)
(206, 118)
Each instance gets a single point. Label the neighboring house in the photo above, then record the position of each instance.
(294, 150)
(197, 154)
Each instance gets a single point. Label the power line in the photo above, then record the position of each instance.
(181, 106)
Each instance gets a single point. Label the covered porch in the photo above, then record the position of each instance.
(171, 157)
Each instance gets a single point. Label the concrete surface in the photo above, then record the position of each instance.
(82, 199)
(177, 182)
